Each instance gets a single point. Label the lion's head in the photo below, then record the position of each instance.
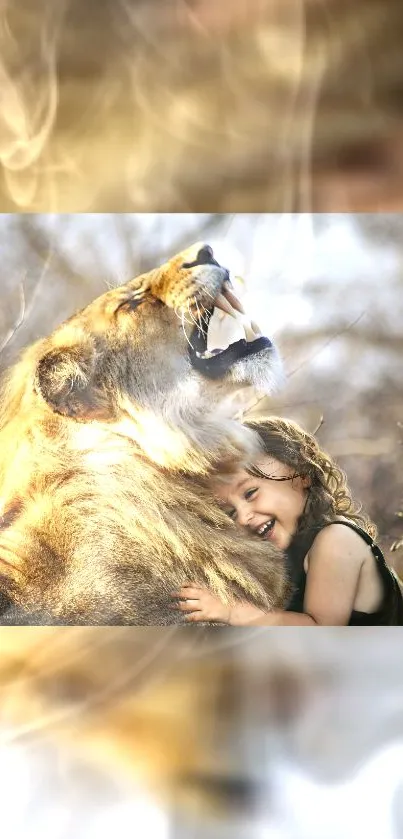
(137, 357)
(108, 429)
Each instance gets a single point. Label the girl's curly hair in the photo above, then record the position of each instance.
(329, 495)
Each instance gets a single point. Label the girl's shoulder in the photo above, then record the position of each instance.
(338, 538)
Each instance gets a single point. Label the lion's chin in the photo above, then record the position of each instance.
(262, 369)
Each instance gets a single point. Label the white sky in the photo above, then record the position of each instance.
(300, 275)
(287, 256)
(281, 257)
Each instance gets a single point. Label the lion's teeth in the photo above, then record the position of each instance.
(227, 303)
(249, 333)
(233, 299)
(222, 303)
(257, 330)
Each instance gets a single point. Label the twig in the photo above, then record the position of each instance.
(396, 546)
(321, 422)
(326, 344)
(20, 320)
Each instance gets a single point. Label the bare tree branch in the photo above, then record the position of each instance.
(330, 340)
(20, 320)
(362, 336)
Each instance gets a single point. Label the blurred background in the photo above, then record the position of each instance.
(211, 734)
(327, 287)
(166, 105)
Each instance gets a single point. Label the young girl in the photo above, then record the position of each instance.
(298, 498)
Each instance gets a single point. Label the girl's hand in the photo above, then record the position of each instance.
(199, 604)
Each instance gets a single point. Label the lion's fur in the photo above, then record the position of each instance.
(106, 438)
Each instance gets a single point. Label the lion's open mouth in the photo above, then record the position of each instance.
(215, 363)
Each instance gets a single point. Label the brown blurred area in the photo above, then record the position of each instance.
(173, 105)
(215, 724)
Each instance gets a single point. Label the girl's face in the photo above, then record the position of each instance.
(271, 508)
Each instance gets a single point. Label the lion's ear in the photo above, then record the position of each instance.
(65, 378)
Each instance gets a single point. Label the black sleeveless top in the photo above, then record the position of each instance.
(390, 612)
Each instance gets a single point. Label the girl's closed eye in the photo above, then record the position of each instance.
(248, 494)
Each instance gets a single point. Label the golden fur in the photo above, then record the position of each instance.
(141, 704)
(197, 718)
(106, 435)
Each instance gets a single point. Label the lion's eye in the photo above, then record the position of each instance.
(130, 304)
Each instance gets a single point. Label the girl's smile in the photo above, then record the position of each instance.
(271, 506)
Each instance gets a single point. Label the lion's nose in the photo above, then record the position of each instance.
(205, 255)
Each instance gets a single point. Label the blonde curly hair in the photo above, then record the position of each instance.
(329, 494)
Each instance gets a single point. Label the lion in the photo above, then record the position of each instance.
(109, 429)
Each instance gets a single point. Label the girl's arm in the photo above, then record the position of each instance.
(202, 605)
(335, 561)
(334, 565)
(239, 617)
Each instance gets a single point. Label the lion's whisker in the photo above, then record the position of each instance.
(177, 314)
(184, 331)
(200, 315)
(109, 285)
(182, 316)
(193, 319)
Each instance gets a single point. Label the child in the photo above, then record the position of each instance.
(298, 498)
